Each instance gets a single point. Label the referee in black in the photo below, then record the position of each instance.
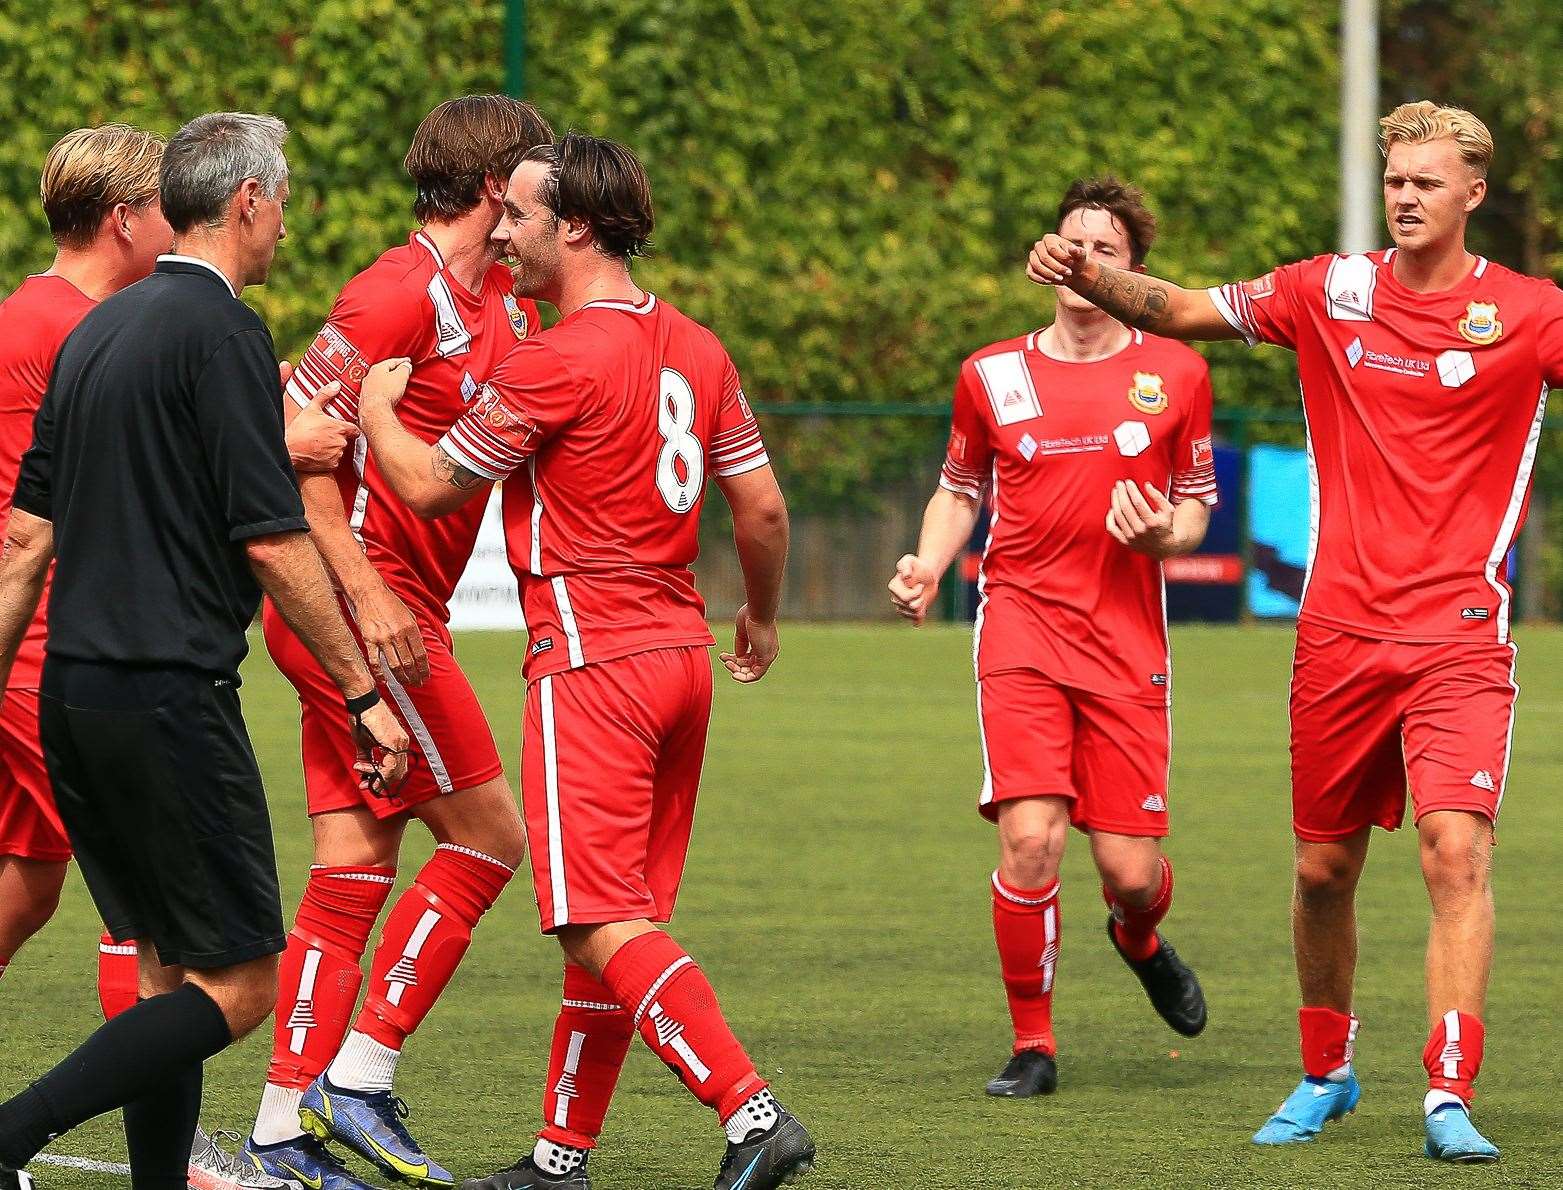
(159, 480)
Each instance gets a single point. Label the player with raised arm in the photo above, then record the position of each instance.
(443, 301)
(605, 429)
(1082, 419)
(1424, 375)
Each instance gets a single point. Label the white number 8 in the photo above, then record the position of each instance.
(675, 420)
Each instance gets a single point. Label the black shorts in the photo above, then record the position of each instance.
(160, 794)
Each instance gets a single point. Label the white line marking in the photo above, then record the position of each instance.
(85, 1163)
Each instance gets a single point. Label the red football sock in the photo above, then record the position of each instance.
(591, 1038)
(1135, 929)
(1328, 1038)
(119, 982)
(427, 932)
(1026, 927)
(1453, 1056)
(674, 1006)
(319, 978)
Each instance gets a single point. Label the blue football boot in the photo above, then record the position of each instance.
(302, 1160)
(1314, 1103)
(370, 1123)
(1452, 1137)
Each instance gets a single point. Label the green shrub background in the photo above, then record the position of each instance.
(846, 189)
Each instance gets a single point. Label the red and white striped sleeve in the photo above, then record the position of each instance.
(369, 322)
(1262, 310)
(530, 397)
(968, 456)
(736, 445)
(1194, 466)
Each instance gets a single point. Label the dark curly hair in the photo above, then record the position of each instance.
(598, 182)
(1123, 202)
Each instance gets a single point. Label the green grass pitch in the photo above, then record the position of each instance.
(837, 895)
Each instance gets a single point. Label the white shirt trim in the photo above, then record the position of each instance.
(175, 258)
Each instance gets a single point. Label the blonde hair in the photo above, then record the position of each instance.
(1415, 123)
(91, 171)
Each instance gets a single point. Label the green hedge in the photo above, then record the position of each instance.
(846, 191)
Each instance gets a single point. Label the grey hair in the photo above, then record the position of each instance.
(209, 159)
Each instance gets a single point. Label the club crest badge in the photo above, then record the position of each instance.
(1480, 324)
(1146, 393)
(518, 321)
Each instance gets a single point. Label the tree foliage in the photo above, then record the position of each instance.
(845, 192)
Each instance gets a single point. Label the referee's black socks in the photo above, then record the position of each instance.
(147, 1050)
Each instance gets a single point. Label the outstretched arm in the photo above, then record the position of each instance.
(1135, 299)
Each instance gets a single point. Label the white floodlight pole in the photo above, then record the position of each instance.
(1361, 224)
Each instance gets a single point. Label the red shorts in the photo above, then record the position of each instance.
(30, 826)
(452, 747)
(610, 765)
(1370, 715)
(1108, 756)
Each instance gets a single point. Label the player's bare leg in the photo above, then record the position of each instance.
(1324, 941)
(673, 1006)
(1456, 849)
(29, 895)
(1137, 886)
(1026, 928)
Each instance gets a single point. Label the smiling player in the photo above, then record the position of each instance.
(1424, 374)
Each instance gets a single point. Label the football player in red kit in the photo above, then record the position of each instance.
(605, 429)
(1424, 375)
(443, 300)
(1092, 443)
(99, 193)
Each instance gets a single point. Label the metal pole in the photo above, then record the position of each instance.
(1361, 223)
(515, 48)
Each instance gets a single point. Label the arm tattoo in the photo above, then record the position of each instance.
(448, 470)
(1132, 298)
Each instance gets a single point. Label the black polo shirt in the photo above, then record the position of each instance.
(157, 453)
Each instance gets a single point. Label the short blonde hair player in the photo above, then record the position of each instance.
(1424, 371)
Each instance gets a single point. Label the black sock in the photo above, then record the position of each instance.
(138, 1051)
(159, 1128)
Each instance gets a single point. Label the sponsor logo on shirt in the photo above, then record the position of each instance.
(1027, 446)
(1475, 613)
(743, 404)
(1203, 453)
(1260, 287)
(1081, 444)
(517, 316)
(1400, 365)
(1455, 368)
(1146, 393)
(469, 387)
(1354, 351)
(1480, 324)
(1132, 438)
(1482, 779)
(542, 645)
(957, 445)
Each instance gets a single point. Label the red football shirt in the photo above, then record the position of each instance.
(1049, 438)
(1423, 414)
(407, 304)
(611, 422)
(34, 321)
